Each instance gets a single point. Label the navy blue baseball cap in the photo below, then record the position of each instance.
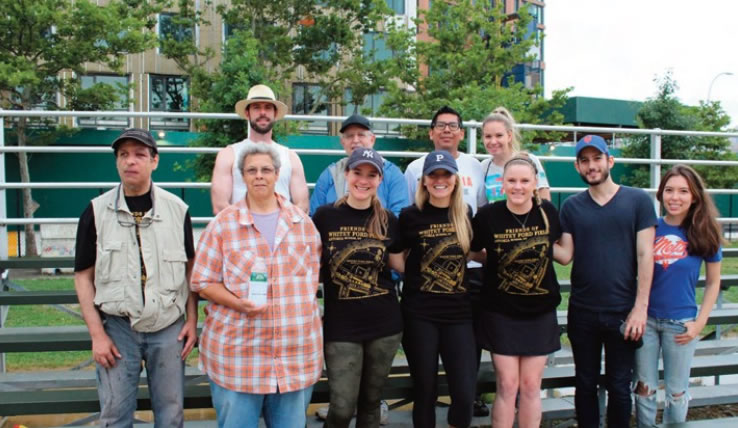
(592, 141)
(365, 156)
(440, 159)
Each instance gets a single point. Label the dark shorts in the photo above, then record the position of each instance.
(504, 335)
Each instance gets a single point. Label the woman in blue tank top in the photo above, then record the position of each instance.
(686, 235)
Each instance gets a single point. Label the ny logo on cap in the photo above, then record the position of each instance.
(588, 139)
(439, 158)
(368, 154)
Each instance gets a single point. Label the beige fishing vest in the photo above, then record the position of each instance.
(118, 264)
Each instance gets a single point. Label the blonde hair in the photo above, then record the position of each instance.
(500, 114)
(457, 212)
(523, 158)
(378, 223)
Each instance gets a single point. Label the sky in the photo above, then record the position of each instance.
(615, 49)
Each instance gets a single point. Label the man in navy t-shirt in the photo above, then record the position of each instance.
(608, 231)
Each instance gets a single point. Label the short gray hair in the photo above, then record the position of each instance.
(259, 148)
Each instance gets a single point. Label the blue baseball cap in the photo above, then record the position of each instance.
(592, 141)
(440, 159)
(365, 156)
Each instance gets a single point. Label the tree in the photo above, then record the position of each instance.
(466, 62)
(39, 39)
(240, 69)
(665, 111)
(317, 42)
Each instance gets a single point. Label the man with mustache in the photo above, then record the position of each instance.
(261, 109)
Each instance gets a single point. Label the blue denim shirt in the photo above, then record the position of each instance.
(392, 191)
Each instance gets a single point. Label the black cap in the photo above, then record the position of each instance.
(355, 119)
(137, 134)
(440, 159)
(365, 156)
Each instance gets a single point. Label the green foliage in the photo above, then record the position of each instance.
(41, 38)
(665, 111)
(240, 69)
(274, 42)
(466, 65)
(321, 42)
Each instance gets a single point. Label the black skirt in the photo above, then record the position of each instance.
(505, 335)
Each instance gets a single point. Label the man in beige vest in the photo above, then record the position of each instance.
(261, 109)
(134, 254)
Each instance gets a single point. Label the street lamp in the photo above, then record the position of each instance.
(709, 89)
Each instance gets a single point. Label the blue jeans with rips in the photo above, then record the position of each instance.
(242, 410)
(589, 332)
(658, 340)
(117, 386)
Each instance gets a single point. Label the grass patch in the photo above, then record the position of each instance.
(44, 315)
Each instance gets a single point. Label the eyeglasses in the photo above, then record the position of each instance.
(123, 217)
(452, 126)
(264, 171)
(356, 134)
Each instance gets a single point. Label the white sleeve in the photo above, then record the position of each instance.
(542, 178)
(412, 179)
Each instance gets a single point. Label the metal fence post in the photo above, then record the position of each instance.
(655, 167)
(3, 192)
(3, 230)
(471, 140)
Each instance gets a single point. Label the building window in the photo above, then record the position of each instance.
(170, 94)
(307, 99)
(370, 107)
(120, 83)
(536, 13)
(230, 29)
(397, 5)
(536, 49)
(375, 47)
(170, 29)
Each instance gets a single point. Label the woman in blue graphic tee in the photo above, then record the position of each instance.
(685, 236)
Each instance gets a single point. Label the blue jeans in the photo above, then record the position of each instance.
(240, 409)
(117, 386)
(658, 339)
(589, 331)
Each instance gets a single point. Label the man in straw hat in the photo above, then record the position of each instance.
(261, 109)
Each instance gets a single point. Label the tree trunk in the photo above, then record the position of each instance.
(29, 205)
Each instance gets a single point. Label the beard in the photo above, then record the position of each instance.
(261, 129)
(602, 179)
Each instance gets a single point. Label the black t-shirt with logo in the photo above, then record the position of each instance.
(360, 297)
(519, 277)
(434, 287)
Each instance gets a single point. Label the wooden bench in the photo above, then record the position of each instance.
(68, 392)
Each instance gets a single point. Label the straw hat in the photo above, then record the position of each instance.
(261, 94)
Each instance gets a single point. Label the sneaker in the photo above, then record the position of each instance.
(322, 413)
(383, 413)
(480, 409)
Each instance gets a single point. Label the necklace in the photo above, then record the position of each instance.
(521, 223)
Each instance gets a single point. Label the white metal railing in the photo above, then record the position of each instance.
(471, 128)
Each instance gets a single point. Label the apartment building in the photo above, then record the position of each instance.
(159, 85)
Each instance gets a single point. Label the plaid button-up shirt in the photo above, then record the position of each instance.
(280, 347)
